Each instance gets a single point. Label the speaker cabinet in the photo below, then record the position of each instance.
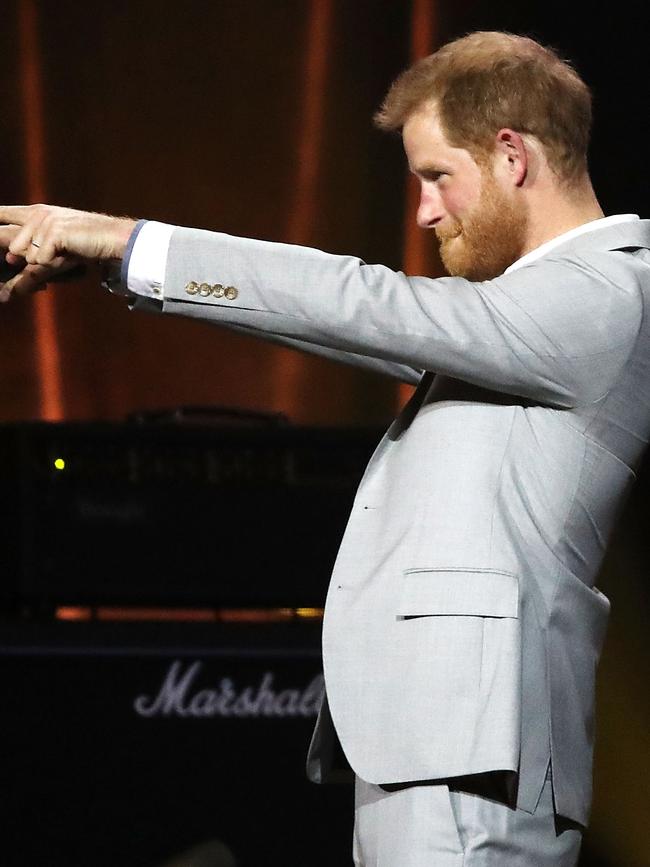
(125, 744)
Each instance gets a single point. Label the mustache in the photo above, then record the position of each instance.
(447, 233)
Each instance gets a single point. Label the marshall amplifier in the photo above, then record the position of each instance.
(131, 744)
(173, 514)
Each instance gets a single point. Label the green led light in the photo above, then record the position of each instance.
(59, 464)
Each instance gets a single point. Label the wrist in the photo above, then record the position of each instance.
(123, 230)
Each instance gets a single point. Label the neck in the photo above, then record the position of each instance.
(555, 210)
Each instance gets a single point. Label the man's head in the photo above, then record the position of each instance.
(484, 120)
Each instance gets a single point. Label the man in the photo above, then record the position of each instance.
(462, 627)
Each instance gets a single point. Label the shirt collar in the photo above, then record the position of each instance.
(591, 226)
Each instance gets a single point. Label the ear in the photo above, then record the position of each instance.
(512, 156)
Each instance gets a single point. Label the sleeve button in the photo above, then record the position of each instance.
(205, 289)
(218, 290)
(231, 293)
(192, 288)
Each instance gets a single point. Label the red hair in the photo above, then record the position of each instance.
(486, 81)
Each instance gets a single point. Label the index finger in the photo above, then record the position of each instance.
(7, 234)
(17, 214)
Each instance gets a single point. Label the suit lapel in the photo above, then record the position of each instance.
(410, 410)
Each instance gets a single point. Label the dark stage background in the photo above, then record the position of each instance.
(255, 118)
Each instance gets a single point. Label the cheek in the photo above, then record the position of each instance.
(459, 201)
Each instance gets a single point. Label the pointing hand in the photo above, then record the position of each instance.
(47, 241)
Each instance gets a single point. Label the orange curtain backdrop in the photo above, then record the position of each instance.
(71, 380)
(290, 368)
(418, 244)
(134, 110)
(51, 406)
(420, 250)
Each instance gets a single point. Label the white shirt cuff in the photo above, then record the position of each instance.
(148, 262)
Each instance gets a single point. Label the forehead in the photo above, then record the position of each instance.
(426, 145)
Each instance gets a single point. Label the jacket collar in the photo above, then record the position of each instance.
(630, 234)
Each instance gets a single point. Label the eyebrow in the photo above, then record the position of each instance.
(429, 169)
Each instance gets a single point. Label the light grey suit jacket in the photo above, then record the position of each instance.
(462, 627)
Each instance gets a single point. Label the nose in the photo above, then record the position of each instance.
(430, 210)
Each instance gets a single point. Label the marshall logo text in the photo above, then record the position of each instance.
(179, 697)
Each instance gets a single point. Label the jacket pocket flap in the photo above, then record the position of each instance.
(476, 592)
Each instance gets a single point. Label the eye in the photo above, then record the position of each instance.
(434, 176)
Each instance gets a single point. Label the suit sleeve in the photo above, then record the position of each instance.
(556, 331)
